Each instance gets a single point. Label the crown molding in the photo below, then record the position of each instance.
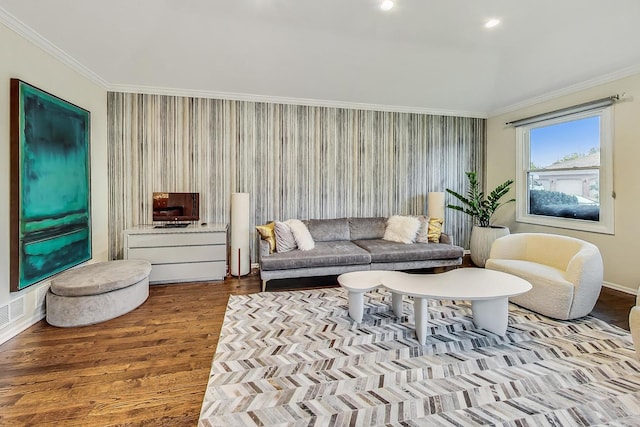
(38, 40)
(588, 84)
(150, 90)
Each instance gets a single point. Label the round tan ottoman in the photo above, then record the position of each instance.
(97, 292)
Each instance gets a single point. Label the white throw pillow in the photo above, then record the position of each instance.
(402, 229)
(301, 234)
(285, 242)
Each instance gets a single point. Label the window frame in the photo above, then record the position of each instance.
(605, 225)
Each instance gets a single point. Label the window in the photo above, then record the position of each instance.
(565, 171)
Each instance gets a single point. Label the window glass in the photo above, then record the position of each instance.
(564, 164)
(564, 173)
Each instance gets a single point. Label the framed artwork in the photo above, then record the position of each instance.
(50, 216)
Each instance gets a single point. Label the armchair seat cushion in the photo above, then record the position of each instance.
(552, 294)
(530, 271)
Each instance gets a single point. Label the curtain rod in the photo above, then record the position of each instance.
(591, 105)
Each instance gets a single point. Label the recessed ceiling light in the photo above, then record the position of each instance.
(386, 5)
(491, 23)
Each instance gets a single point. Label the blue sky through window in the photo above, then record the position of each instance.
(551, 143)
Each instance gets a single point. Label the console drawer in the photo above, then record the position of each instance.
(165, 255)
(175, 239)
(188, 272)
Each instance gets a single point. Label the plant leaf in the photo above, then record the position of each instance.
(475, 204)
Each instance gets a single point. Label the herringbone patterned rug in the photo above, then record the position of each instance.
(297, 358)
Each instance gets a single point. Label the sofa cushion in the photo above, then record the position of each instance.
(367, 228)
(328, 230)
(386, 251)
(325, 254)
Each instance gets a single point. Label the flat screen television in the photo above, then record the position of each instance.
(176, 207)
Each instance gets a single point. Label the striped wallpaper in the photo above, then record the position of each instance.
(295, 161)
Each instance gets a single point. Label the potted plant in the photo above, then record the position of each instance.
(481, 208)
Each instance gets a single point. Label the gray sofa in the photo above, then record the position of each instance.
(354, 244)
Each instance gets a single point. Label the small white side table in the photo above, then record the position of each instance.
(358, 282)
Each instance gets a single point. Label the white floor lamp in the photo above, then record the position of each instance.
(435, 204)
(239, 262)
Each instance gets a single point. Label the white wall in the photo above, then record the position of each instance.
(21, 59)
(619, 251)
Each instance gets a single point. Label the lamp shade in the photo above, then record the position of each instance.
(239, 261)
(435, 204)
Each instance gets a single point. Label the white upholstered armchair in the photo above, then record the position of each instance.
(634, 324)
(566, 273)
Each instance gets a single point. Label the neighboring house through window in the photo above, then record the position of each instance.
(565, 169)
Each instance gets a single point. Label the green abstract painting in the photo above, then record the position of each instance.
(50, 185)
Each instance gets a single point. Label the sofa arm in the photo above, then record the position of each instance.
(585, 271)
(634, 327)
(263, 249)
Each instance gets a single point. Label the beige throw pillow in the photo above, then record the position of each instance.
(402, 229)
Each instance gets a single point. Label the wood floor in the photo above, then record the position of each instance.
(147, 368)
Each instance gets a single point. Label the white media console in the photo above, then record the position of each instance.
(191, 254)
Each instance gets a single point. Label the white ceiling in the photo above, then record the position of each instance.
(430, 56)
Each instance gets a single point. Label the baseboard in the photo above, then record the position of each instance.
(619, 288)
(23, 323)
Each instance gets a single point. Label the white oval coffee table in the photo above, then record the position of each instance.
(488, 291)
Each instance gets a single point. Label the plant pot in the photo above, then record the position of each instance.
(481, 240)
